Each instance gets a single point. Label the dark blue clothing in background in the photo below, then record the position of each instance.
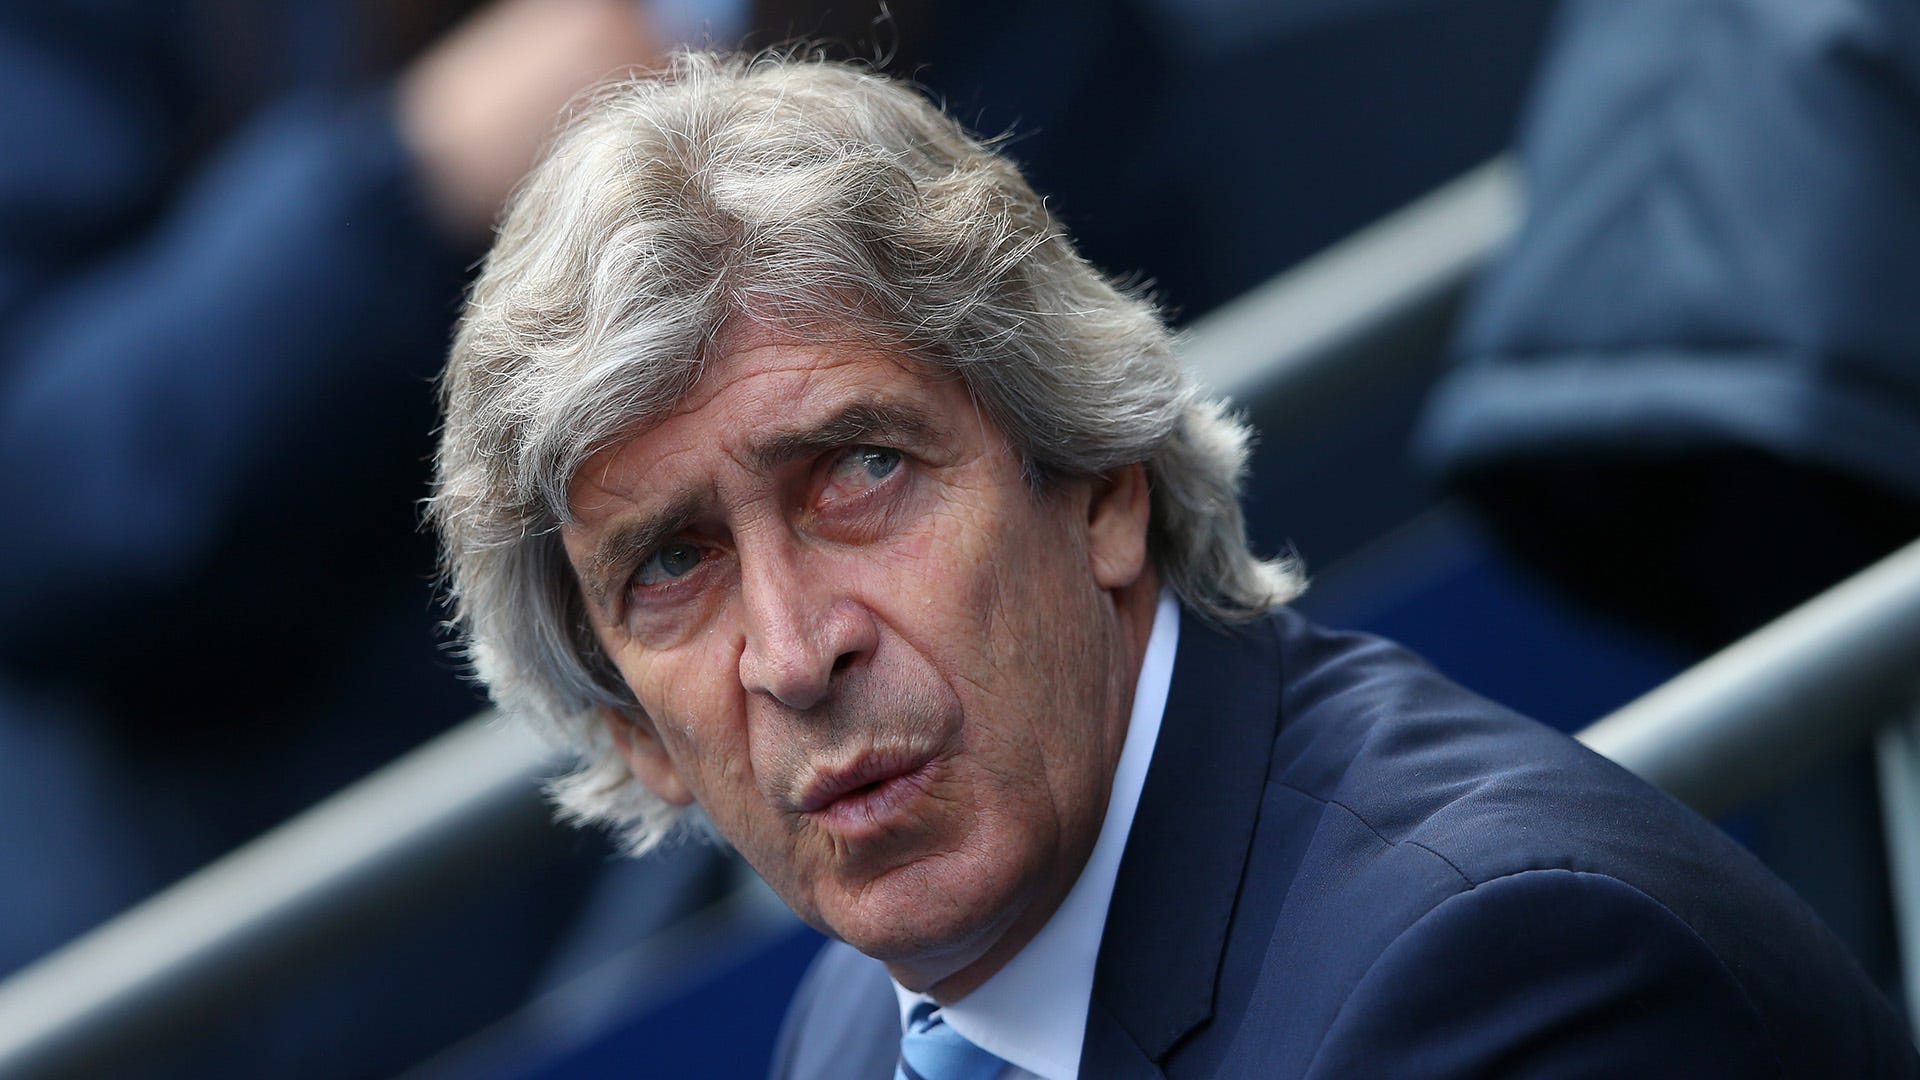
(1690, 392)
(221, 307)
(1689, 395)
(1723, 245)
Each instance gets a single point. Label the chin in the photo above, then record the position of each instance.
(928, 923)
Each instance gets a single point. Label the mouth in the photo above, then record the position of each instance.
(867, 794)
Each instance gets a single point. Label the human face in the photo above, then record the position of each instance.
(896, 677)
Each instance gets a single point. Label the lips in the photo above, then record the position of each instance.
(873, 788)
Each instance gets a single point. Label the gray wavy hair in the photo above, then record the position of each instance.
(813, 196)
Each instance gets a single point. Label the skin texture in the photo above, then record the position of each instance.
(825, 569)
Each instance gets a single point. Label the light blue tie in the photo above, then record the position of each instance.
(930, 1050)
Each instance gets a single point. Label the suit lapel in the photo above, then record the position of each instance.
(1187, 851)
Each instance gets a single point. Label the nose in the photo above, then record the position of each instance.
(801, 629)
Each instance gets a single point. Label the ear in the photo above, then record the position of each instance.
(640, 745)
(1117, 526)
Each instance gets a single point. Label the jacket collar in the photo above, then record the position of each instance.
(1187, 852)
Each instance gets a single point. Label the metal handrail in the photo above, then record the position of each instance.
(1819, 680)
(1370, 311)
(450, 811)
(467, 803)
(1796, 692)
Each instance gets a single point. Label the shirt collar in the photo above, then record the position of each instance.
(1032, 1013)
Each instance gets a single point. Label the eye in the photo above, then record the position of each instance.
(669, 562)
(858, 470)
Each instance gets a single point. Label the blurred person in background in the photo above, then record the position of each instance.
(232, 235)
(1689, 395)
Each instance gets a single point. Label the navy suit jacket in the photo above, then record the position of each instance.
(1345, 866)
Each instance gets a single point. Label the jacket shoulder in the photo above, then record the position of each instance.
(843, 1023)
(1484, 845)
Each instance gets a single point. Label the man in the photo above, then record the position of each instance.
(796, 468)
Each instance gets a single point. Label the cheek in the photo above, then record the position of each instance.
(693, 696)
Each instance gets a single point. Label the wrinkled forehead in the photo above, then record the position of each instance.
(740, 344)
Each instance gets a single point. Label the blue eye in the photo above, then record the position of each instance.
(868, 464)
(669, 562)
(857, 470)
(877, 460)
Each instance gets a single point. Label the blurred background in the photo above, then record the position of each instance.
(1580, 338)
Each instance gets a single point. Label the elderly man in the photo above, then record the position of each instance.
(796, 468)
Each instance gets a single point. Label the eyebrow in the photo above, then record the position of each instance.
(857, 422)
(625, 545)
(854, 423)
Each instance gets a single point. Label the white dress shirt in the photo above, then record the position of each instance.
(1032, 1013)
